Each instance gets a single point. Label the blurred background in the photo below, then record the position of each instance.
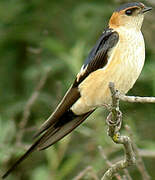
(42, 46)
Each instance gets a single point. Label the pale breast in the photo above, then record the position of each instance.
(124, 66)
(129, 59)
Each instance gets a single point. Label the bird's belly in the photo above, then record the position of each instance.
(123, 70)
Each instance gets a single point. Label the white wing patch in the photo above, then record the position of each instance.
(82, 72)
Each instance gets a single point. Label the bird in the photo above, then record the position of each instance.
(118, 56)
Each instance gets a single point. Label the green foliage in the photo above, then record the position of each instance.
(36, 36)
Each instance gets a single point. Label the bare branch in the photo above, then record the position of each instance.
(117, 176)
(136, 99)
(114, 124)
(139, 162)
(129, 158)
(32, 100)
(147, 153)
(84, 172)
(28, 106)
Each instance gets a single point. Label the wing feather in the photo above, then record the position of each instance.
(71, 96)
(53, 129)
(50, 138)
(98, 57)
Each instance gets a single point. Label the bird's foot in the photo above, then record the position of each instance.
(115, 123)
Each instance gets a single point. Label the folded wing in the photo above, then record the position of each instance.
(63, 120)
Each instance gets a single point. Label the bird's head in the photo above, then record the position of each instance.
(129, 15)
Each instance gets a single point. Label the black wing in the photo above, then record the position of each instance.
(98, 56)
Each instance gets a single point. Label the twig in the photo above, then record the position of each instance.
(28, 106)
(136, 99)
(114, 124)
(126, 172)
(32, 100)
(139, 162)
(117, 176)
(147, 153)
(84, 172)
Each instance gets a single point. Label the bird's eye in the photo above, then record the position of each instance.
(128, 12)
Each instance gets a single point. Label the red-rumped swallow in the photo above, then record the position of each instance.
(117, 57)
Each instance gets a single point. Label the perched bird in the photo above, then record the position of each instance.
(117, 57)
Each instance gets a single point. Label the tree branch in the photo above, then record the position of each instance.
(87, 170)
(28, 106)
(114, 120)
(139, 162)
(117, 176)
(136, 99)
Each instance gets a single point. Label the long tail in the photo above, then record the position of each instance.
(53, 134)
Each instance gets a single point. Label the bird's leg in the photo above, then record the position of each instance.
(114, 123)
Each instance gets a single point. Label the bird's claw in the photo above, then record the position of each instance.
(116, 123)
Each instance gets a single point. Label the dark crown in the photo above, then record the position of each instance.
(128, 5)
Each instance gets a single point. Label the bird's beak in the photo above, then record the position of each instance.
(146, 9)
